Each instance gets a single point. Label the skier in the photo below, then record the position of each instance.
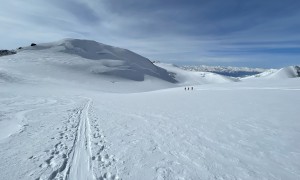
(192, 88)
(185, 88)
(188, 88)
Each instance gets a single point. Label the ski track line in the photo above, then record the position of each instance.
(80, 152)
(77, 161)
(80, 166)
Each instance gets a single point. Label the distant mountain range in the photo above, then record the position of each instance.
(227, 71)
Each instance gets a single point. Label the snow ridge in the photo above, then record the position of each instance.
(277, 74)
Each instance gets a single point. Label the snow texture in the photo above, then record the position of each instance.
(68, 111)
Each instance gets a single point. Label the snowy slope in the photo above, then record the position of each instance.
(89, 63)
(287, 72)
(84, 63)
(185, 77)
(225, 131)
(276, 74)
(110, 60)
(66, 114)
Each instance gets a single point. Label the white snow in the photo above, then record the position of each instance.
(67, 113)
(184, 77)
(228, 69)
(81, 168)
(276, 74)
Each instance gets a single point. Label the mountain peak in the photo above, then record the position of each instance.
(109, 60)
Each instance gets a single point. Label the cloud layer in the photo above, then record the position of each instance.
(232, 32)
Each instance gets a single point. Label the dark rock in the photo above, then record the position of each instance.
(7, 52)
(298, 70)
(33, 44)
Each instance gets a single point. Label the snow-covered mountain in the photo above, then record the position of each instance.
(103, 59)
(84, 63)
(78, 109)
(227, 71)
(89, 63)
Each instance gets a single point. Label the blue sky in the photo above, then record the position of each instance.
(254, 33)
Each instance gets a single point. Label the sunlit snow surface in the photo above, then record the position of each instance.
(59, 121)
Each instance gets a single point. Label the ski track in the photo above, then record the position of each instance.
(80, 166)
(80, 152)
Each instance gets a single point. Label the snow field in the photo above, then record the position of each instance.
(74, 110)
(205, 134)
(67, 151)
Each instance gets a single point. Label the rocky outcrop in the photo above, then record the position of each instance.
(297, 68)
(7, 52)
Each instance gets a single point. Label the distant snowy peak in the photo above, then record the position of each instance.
(227, 71)
(187, 78)
(221, 68)
(110, 60)
(249, 73)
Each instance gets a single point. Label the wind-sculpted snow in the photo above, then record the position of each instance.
(108, 60)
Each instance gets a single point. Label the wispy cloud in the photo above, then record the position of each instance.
(234, 32)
